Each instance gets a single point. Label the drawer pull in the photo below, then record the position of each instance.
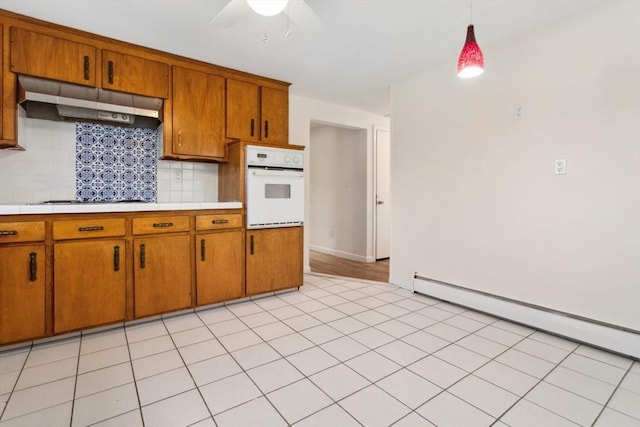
(33, 267)
(220, 221)
(162, 224)
(143, 258)
(92, 228)
(202, 249)
(116, 258)
(8, 232)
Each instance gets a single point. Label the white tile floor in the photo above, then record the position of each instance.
(339, 352)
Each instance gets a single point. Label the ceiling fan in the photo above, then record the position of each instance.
(297, 11)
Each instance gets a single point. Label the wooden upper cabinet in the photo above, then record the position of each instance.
(42, 55)
(257, 113)
(133, 74)
(8, 116)
(198, 114)
(274, 113)
(243, 111)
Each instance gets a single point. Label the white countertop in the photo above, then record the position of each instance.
(113, 207)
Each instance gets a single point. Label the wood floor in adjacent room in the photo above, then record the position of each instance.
(329, 264)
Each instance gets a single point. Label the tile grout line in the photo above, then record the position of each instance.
(75, 383)
(15, 384)
(604, 406)
(133, 373)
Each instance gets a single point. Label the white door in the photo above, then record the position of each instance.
(383, 189)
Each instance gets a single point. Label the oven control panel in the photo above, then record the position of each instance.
(274, 157)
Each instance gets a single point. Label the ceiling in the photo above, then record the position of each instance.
(347, 52)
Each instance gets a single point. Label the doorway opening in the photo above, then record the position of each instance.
(343, 217)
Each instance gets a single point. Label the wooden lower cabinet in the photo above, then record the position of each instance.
(219, 266)
(90, 284)
(274, 259)
(22, 293)
(162, 274)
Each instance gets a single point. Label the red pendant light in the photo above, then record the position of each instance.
(470, 62)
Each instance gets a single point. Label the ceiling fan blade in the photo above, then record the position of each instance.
(301, 14)
(230, 14)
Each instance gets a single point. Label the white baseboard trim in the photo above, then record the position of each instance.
(341, 254)
(306, 269)
(618, 340)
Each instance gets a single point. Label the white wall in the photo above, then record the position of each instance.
(302, 111)
(47, 169)
(475, 200)
(338, 197)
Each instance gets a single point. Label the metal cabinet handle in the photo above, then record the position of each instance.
(380, 202)
(33, 267)
(266, 128)
(116, 258)
(202, 249)
(251, 244)
(86, 68)
(143, 258)
(110, 72)
(180, 138)
(253, 125)
(220, 221)
(93, 228)
(8, 232)
(162, 225)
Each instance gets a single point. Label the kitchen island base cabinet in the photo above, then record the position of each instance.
(219, 267)
(274, 259)
(22, 293)
(162, 276)
(90, 284)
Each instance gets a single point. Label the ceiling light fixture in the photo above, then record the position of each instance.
(268, 7)
(470, 62)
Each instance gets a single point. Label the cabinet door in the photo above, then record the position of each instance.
(162, 274)
(8, 123)
(132, 74)
(198, 113)
(219, 267)
(41, 55)
(275, 115)
(274, 259)
(22, 289)
(243, 113)
(89, 284)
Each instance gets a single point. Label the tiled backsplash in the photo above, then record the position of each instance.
(47, 169)
(114, 163)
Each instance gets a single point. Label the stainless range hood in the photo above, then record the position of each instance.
(52, 100)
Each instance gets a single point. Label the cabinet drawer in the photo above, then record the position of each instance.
(88, 228)
(11, 232)
(219, 221)
(160, 224)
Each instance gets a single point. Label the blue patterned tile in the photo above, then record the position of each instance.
(115, 163)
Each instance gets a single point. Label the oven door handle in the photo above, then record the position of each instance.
(288, 173)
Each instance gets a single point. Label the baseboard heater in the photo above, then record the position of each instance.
(606, 336)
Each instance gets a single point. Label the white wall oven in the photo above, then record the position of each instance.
(275, 187)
